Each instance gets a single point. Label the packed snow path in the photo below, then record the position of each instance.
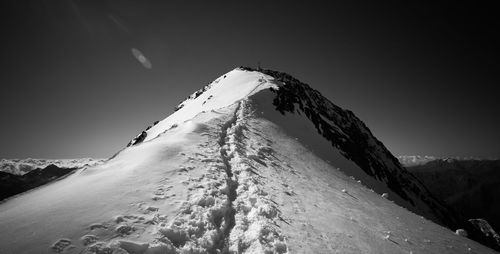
(230, 179)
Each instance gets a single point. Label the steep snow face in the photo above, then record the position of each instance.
(23, 166)
(233, 177)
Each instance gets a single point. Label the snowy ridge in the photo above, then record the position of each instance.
(355, 141)
(234, 170)
(255, 215)
(224, 91)
(23, 166)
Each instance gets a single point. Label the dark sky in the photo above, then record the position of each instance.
(422, 77)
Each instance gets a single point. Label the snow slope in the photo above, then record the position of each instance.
(227, 172)
(228, 89)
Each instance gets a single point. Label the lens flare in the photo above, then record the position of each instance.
(141, 58)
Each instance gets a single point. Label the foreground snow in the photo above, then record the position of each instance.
(232, 177)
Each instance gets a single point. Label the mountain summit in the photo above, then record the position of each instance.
(254, 162)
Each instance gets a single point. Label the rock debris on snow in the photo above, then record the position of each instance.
(61, 245)
(461, 232)
(88, 239)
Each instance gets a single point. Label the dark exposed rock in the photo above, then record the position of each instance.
(138, 139)
(487, 231)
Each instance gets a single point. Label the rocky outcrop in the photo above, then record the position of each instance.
(487, 231)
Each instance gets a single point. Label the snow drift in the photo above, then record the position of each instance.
(255, 162)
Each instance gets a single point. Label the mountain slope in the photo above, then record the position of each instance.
(237, 168)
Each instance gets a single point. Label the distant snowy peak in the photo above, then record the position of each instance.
(23, 166)
(416, 160)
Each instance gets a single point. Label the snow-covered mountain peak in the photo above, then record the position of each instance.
(320, 125)
(222, 92)
(255, 162)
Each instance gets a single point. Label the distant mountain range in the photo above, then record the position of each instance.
(467, 185)
(23, 166)
(20, 175)
(11, 184)
(414, 160)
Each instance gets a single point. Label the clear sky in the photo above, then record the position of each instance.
(422, 77)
